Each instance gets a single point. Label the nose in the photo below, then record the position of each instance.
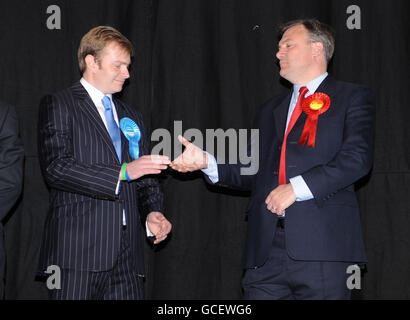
(279, 54)
(125, 72)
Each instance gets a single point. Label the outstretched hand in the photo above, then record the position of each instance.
(192, 159)
(146, 165)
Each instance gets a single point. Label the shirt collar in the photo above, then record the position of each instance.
(95, 94)
(312, 85)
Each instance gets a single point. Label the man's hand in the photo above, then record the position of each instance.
(280, 199)
(149, 164)
(192, 159)
(158, 225)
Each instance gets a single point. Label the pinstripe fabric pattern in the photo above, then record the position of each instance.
(79, 163)
(120, 283)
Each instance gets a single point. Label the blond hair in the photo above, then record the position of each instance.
(95, 40)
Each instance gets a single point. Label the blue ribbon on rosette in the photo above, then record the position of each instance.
(133, 133)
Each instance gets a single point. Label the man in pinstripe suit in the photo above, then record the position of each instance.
(93, 230)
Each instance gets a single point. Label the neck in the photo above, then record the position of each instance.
(87, 77)
(309, 77)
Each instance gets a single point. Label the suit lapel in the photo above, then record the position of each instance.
(87, 107)
(280, 115)
(274, 127)
(328, 87)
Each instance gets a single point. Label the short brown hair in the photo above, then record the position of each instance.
(318, 32)
(95, 40)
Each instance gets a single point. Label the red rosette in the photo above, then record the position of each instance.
(314, 105)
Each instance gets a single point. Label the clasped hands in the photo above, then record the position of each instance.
(194, 158)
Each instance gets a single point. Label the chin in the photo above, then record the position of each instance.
(117, 89)
(283, 74)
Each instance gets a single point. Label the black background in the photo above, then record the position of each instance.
(211, 64)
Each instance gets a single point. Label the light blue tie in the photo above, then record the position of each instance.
(112, 126)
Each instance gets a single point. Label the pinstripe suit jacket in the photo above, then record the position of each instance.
(80, 166)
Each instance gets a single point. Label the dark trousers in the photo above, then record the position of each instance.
(120, 283)
(284, 278)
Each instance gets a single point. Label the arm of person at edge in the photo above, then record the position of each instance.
(11, 159)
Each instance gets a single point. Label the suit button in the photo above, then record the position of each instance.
(275, 173)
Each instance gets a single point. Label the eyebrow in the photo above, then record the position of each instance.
(122, 62)
(284, 41)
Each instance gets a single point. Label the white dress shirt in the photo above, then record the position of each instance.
(96, 96)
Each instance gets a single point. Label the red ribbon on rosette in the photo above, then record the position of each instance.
(314, 105)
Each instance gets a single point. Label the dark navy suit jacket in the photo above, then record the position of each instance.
(80, 165)
(326, 228)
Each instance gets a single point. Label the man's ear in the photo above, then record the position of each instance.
(317, 49)
(91, 63)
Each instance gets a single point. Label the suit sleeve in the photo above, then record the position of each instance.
(61, 169)
(230, 176)
(149, 191)
(355, 157)
(11, 160)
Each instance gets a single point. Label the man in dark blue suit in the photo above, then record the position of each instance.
(315, 142)
(99, 194)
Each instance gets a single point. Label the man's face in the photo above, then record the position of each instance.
(295, 54)
(113, 69)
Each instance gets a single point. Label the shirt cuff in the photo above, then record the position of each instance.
(301, 189)
(212, 170)
(117, 189)
(149, 233)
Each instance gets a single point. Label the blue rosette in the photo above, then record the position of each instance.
(133, 133)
